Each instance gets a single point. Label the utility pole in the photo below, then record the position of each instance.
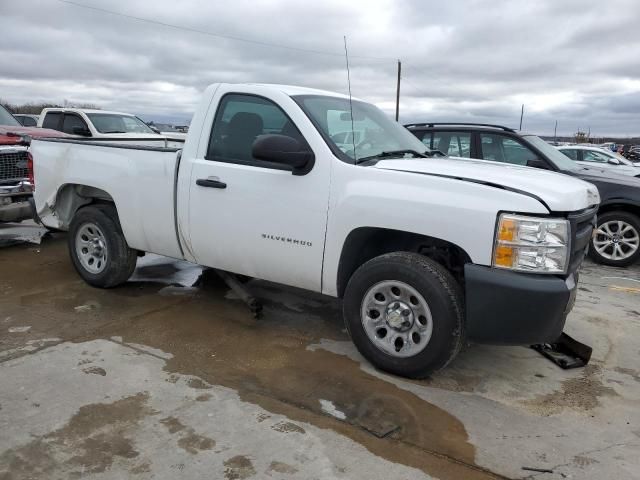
(521, 115)
(555, 132)
(398, 91)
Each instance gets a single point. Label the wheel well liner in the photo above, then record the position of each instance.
(365, 243)
(73, 196)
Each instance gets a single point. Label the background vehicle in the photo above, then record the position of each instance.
(262, 190)
(168, 131)
(16, 186)
(101, 125)
(617, 241)
(602, 158)
(27, 120)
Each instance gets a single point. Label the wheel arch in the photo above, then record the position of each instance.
(620, 206)
(364, 243)
(73, 196)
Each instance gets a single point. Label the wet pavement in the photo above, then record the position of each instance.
(170, 376)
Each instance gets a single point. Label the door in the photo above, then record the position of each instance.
(250, 216)
(501, 148)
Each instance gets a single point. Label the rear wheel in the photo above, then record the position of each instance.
(98, 249)
(616, 241)
(404, 313)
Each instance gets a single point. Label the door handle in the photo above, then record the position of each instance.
(207, 182)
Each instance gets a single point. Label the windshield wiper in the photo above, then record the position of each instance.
(114, 131)
(392, 153)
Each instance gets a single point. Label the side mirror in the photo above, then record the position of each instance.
(284, 150)
(156, 130)
(613, 161)
(82, 131)
(537, 163)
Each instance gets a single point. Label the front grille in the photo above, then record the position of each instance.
(582, 225)
(13, 165)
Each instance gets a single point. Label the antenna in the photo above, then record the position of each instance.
(353, 135)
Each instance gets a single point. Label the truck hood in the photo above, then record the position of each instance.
(560, 193)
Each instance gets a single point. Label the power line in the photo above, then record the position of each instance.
(217, 35)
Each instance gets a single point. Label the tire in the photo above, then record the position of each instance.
(417, 279)
(609, 247)
(99, 225)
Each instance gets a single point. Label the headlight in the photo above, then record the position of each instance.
(531, 244)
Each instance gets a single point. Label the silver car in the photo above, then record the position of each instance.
(603, 158)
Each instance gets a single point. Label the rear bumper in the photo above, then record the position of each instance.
(509, 308)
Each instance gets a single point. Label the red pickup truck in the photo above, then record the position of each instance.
(16, 186)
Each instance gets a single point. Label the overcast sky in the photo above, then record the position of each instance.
(476, 60)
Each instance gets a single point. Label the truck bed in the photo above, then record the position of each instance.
(142, 177)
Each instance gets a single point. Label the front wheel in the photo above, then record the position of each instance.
(404, 314)
(616, 241)
(98, 249)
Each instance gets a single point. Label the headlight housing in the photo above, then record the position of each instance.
(532, 244)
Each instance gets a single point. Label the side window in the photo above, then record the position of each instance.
(28, 122)
(589, 156)
(571, 153)
(52, 120)
(72, 121)
(500, 148)
(426, 139)
(454, 144)
(240, 119)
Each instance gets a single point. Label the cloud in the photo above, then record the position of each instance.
(474, 60)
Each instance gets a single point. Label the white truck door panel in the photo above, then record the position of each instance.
(254, 220)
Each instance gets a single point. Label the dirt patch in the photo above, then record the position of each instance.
(287, 427)
(173, 424)
(581, 393)
(194, 443)
(281, 467)
(204, 397)
(238, 468)
(189, 440)
(95, 437)
(628, 371)
(95, 371)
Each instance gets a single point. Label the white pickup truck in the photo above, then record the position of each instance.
(426, 253)
(105, 126)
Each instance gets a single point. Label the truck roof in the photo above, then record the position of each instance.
(292, 90)
(86, 110)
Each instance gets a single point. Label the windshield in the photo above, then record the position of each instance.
(7, 119)
(370, 134)
(556, 156)
(114, 123)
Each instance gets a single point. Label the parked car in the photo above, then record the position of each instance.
(602, 158)
(168, 131)
(102, 125)
(27, 120)
(617, 239)
(425, 253)
(16, 184)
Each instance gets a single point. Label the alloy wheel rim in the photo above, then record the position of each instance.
(616, 240)
(396, 318)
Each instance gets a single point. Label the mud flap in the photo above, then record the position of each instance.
(566, 352)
